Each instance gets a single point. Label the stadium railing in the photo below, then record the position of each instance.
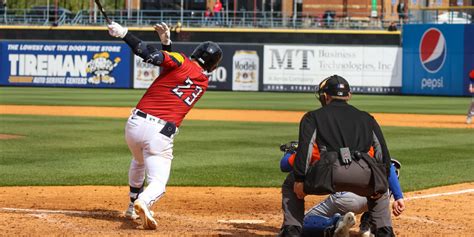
(243, 19)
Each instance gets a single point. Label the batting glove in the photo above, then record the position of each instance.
(117, 30)
(163, 32)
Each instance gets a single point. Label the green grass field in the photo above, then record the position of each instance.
(92, 151)
(234, 100)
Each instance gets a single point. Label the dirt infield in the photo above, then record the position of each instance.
(408, 120)
(212, 211)
(8, 136)
(205, 211)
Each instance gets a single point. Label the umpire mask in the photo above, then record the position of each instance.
(334, 85)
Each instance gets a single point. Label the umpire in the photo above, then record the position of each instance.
(352, 135)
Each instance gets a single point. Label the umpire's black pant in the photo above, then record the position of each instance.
(293, 209)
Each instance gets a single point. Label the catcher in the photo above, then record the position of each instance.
(326, 218)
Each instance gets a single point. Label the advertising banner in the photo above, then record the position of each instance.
(245, 70)
(144, 73)
(434, 59)
(368, 69)
(468, 57)
(64, 64)
(239, 69)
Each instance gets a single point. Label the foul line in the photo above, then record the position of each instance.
(52, 211)
(441, 194)
(9, 209)
(420, 219)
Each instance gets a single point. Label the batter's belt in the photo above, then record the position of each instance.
(169, 128)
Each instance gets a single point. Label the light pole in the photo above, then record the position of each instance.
(295, 12)
(55, 12)
(226, 17)
(129, 9)
(182, 9)
(95, 13)
(5, 9)
(271, 12)
(47, 11)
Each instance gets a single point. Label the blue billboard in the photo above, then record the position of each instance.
(436, 59)
(64, 64)
(468, 57)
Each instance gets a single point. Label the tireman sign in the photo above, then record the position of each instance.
(65, 64)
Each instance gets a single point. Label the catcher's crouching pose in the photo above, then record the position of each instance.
(350, 155)
(153, 124)
(325, 218)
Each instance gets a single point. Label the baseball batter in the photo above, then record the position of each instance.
(154, 122)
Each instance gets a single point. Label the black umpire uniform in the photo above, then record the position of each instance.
(334, 126)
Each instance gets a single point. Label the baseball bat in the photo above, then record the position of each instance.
(101, 9)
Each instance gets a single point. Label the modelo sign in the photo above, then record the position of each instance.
(433, 59)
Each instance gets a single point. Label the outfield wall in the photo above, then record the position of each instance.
(372, 63)
(245, 67)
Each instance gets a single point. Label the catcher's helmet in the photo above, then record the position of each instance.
(208, 54)
(334, 85)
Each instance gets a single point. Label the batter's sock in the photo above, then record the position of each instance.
(134, 192)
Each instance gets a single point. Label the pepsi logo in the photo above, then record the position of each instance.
(432, 50)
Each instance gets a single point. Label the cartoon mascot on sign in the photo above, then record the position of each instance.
(101, 66)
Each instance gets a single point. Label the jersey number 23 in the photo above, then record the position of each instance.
(189, 100)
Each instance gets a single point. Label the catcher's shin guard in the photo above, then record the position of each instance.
(315, 225)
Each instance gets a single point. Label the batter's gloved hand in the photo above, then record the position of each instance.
(116, 30)
(289, 147)
(163, 32)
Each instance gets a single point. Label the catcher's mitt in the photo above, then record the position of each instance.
(289, 147)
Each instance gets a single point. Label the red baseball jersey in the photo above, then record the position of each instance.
(180, 85)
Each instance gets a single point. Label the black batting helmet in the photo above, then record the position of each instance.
(208, 54)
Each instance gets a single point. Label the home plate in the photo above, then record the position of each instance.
(242, 221)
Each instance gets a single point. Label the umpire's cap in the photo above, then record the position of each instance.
(334, 85)
(208, 54)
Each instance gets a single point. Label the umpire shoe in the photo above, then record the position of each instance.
(290, 231)
(145, 215)
(364, 229)
(344, 225)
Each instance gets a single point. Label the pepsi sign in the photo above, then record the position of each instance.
(433, 59)
(432, 50)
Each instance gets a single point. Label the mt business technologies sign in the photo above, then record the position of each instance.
(368, 69)
(437, 59)
(64, 64)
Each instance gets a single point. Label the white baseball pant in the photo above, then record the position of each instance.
(152, 155)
